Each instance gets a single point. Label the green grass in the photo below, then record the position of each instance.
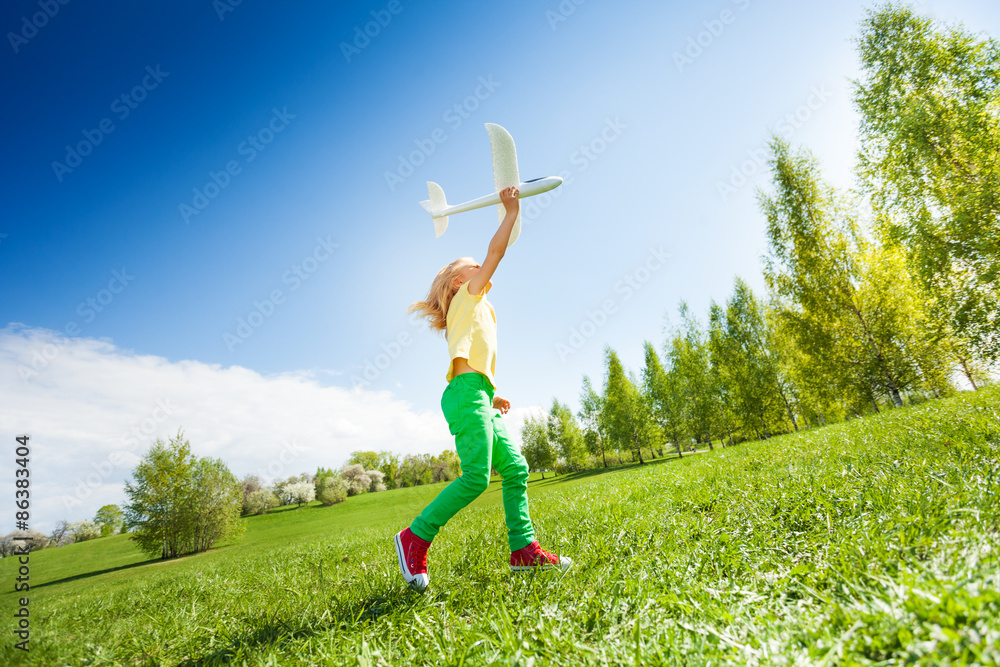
(869, 542)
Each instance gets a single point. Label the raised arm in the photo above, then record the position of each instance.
(498, 246)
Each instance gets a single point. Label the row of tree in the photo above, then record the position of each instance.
(180, 504)
(365, 472)
(872, 298)
(109, 520)
(327, 485)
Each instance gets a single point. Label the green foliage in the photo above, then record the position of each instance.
(536, 447)
(565, 435)
(846, 299)
(111, 520)
(385, 462)
(259, 502)
(420, 469)
(332, 490)
(929, 99)
(301, 493)
(367, 460)
(180, 504)
(81, 531)
(664, 394)
(746, 359)
(690, 363)
(627, 413)
(591, 404)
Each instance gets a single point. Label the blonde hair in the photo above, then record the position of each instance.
(435, 306)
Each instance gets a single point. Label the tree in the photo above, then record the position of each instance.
(60, 534)
(743, 351)
(181, 504)
(367, 460)
(332, 490)
(301, 493)
(389, 465)
(591, 405)
(110, 519)
(259, 502)
(626, 416)
(445, 467)
(357, 479)
(251, 484)
(536, 448)
(689, 359)
(564, 434)
(664, 394)
(11, 543)
(377, 484)
(158, 500)
(818, 264)
(415, 470)
(81, 531)
(385, 462)
(281, 487)
(930, 159)
(213, 506)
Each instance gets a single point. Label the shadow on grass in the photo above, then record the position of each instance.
(277, 632)
(594, 472)
(152, 562)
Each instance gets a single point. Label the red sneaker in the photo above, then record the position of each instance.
(412, 552)
(533, 557)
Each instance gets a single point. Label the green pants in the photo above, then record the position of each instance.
(481, 441)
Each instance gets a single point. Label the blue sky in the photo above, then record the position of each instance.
(646, 108)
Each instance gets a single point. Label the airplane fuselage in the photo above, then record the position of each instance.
(526, 189)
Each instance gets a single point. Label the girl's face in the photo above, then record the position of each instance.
(465, 273)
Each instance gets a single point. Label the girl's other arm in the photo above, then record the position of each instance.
(498, 246)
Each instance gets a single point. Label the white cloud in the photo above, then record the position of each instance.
(92, 409)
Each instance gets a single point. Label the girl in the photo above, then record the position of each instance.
(457, 304)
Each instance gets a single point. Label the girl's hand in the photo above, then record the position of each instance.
(510, 201)
(501, 404)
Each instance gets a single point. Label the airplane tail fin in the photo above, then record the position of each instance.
(434, 206)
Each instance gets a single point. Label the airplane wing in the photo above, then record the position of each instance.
(504, 170)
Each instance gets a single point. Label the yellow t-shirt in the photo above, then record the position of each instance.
(472, 332)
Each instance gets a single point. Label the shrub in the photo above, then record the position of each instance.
(301, 492)
(259, 502)
(81, 531)
(333, 491)
(357, 479)
(60, 535)
(250, 484)
(376, 477)
(13, 542)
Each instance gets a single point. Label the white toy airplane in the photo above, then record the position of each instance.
(504, 176)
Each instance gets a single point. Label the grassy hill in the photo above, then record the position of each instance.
(869, 542)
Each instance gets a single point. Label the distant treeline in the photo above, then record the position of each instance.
(873, 298)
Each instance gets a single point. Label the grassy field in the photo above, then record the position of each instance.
(869, 542)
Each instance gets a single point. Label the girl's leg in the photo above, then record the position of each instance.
(469, 411)
(514, 469)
